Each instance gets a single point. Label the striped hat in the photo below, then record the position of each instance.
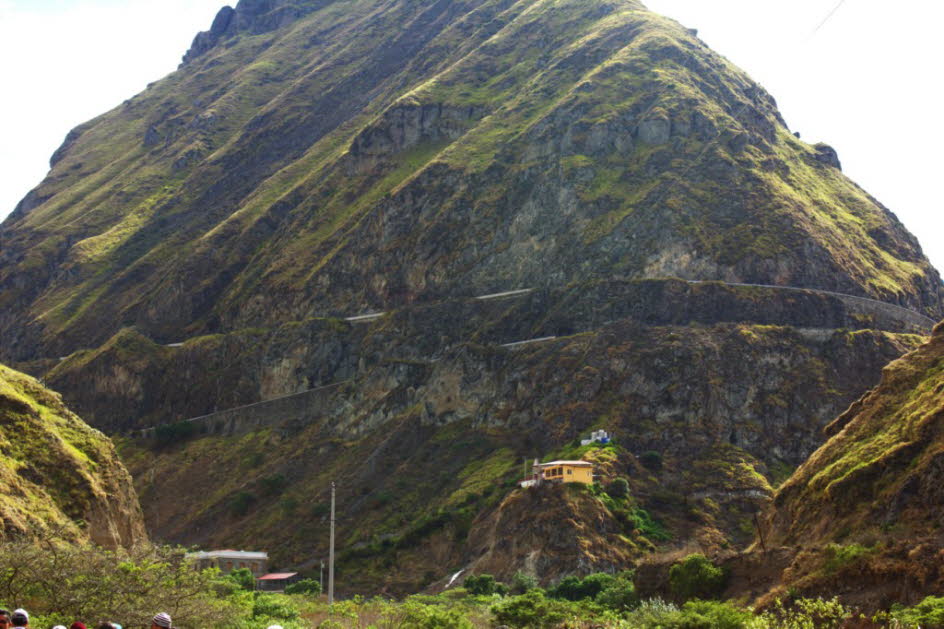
(161, 620)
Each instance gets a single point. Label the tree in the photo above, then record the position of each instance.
(573, 588)
(697, 577)
(75, 580)
(620, 595)
(618, 488)
(243, 578)
(522, 582)
(480, 585)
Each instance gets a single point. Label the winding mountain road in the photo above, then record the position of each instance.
(906, 315)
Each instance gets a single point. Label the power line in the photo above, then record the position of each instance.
(827, 18)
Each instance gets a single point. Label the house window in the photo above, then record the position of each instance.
(570, 471)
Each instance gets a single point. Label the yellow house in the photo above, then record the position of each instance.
(560, 472)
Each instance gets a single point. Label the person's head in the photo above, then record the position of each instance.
(105, 625)
(4, 618)
(20, 618)
(77, 625)
(161, 621)
(59, 627)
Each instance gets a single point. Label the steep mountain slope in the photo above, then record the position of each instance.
(881, 467)
(869, 502)
(724, 410)
(326, 158)
(58, 474)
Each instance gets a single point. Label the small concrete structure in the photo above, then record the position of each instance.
(229, 560)
(597, 436)
(276, 582)
(559, 472)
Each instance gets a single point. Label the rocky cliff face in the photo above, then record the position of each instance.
(59, 475)
(725, 410)
(131, 382)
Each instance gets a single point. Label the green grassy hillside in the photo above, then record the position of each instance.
(57, 474)
(866, 507)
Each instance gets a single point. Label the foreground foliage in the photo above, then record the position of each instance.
(62, 582)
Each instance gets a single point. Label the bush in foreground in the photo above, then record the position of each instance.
(696, 577)
(309, 587)
(531, 610)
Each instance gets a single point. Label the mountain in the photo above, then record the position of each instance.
(869, 502)
(556, 215)
(329, 158)
(59, 475)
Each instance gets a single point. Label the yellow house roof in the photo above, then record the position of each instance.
(571, 463)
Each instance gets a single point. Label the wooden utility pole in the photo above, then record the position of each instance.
(331, 553)
(760, 533)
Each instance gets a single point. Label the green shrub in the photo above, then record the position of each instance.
(839, 557)
(693, 615)
(241, 503)
(273, 607)
(652, 613)
(620, 595)
(806, 613)
(711, 615)
(651, 460)
(418, 616)
(172, 434)
(618, 488)
(480, 585)
(530, 610)
(243, 579)
(273, 485)
(574, 588)
(928, 613)
(696, 577)
(311, 587)
(648, 526)
(522, 582)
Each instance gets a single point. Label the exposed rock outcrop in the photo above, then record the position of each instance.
(249, 16)
(827, 155)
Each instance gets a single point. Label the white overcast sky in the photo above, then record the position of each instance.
(862, 75)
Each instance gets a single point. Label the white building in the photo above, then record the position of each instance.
(229, 560)
(597, 436)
